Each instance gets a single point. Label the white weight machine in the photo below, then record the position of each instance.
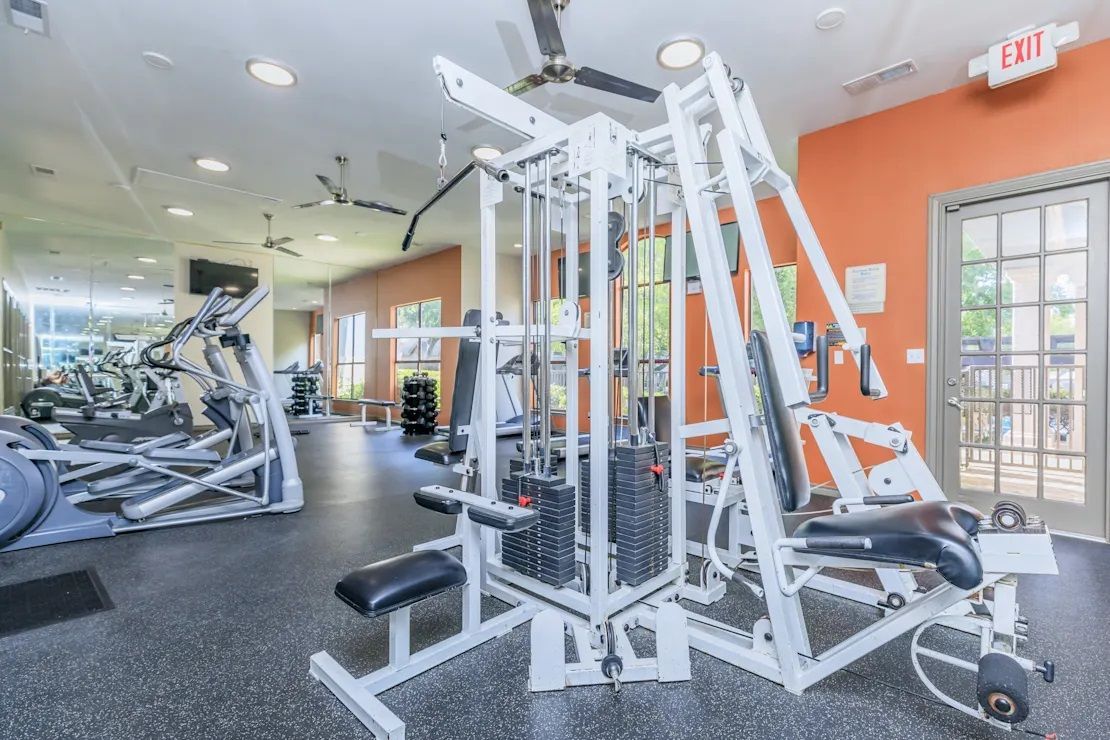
(514, 541)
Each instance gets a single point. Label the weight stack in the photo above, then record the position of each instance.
(642, 504)
(584, 497)
(419, 404)
(544, 551)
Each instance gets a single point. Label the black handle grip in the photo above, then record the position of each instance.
(707, 370)
(865, 369)
(901, 498)
(451, 184)
(837, 543)
(822, 350)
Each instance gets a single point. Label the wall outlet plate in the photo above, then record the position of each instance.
(915, 356)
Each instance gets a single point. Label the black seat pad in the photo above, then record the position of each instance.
(439, 453)
(923, 533)
(391, 584)
(700, 469)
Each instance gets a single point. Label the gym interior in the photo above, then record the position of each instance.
(335, 336)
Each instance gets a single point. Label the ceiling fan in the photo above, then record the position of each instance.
(546, 17)
(337, 194)
(271, 242)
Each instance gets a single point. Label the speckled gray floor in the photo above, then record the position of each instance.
(214, 624)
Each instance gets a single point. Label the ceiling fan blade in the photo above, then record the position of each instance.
(252, 244)
(326, 202)
(288, 251)
(327, 183)
(607, 82)
(282, 240)
(377, 205)
(521, 86)
(546, 24)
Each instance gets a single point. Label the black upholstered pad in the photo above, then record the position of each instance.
(388, 585)
(700, 469)
(439, 453)
(925, 532)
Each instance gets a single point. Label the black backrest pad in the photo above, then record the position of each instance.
(787, 458)
(466, 381)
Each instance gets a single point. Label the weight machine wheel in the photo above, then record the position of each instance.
(895, 601)
(1008, 516)
(1003, 688)
(23, 493)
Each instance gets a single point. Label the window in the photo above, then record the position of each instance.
(350, 365)
(659, 311)
(787, 276)
(416, 355)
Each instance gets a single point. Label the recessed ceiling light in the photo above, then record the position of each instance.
(178, 211)
(831, 18)
(147, 260)
(327, 238)
(135, 277)
(482, 152)
(128, 288)
(271, 72)
(156, 60)
(212, 165)
(56, 277)
(519, 246)
(680, 53)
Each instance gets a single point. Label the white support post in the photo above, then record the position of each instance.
(599, 398)
(399, 637)
(571, 257)
(678, 382)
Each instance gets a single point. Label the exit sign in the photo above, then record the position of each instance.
(1025, 53)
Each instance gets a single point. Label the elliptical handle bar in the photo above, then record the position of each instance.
(248, 303)
(210, 306)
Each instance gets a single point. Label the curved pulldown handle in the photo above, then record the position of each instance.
(865, 370)
(822, 351)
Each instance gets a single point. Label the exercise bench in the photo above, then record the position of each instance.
(375, 425)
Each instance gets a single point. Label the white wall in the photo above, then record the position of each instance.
(259, 324)
(291, 332)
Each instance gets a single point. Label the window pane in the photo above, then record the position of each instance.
(1021, 232)
(977, 377)
(1021, 280)
(408, 349)
(1019, 329)
(1018, 425)
(343, 381)
(976, 469)
(358, 380)
(402, 371)
(978, 330)
(431, 313)
(408, 317)
(979, 284)
(1065, 427)
(1065, 326)
(1065, 225)
(1065, 276)
(1065, 478)
(980, 238)
(1065, 377)
(359, 336)
(429, 349)
(344, 346)
(1017, 473)
(977, 423)
(1018, 377)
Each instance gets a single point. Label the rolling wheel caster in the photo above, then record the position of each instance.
(1003, 688)
(894, 602)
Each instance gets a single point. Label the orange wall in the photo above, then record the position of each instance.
(866, 185)
(377, 293)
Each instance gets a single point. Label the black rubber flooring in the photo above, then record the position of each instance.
(214, 625)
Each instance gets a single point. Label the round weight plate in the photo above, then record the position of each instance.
(23, 492)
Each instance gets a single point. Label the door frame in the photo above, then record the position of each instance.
(939, 205)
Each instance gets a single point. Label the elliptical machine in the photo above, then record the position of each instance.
(194, 484)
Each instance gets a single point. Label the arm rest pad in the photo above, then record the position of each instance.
(437, 503)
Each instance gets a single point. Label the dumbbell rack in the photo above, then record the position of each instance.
(305, 384)
(419, 404)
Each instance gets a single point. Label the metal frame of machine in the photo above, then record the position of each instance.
(585, 165)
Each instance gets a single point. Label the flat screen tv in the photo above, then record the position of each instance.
(731, 234)
(236, 280)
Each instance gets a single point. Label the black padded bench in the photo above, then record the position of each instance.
(439, 453)
(388, 585)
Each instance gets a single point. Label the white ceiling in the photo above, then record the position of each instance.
(84, 103)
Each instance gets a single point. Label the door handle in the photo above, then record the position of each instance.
(955, 403)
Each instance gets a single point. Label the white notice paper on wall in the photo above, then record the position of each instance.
(865, 288)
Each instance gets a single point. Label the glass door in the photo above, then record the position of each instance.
(1025, 355)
